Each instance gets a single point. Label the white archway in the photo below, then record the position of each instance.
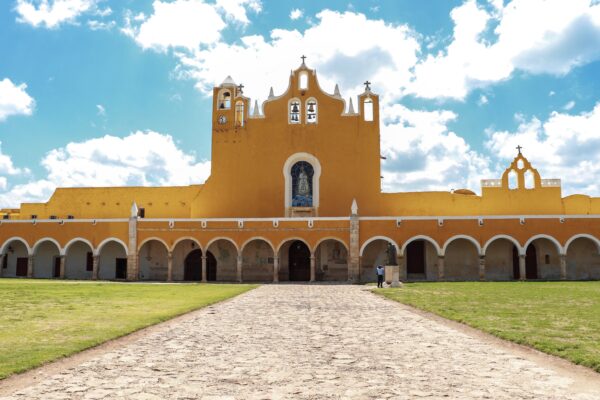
(511, 239)
(559, 248)
(214, 240)
(153, 238)
(181, 239)
(287, 175)
(18, 239)
(292, 239)
(108, 240)
(46, 239)
(374, 238)
(465, 237)
(421, 237)
(73, 241)
(330, 238)
(257, 238)
(582, 235)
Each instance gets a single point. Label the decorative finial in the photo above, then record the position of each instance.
(367, 86)
(303, 58)
(134, 210)
(354, 208)
(336, 91)
(256, 113)
(519, 149)
(351, 107)
(241, 88)
(271, 94)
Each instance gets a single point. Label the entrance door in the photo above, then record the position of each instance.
(192, 269)
(531, 263)
(415, 257)
(211, 267)
(299, 261)
(121, 268)
(56, 271)
(22, 266)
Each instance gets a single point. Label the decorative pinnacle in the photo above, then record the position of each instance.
(519, 149)
(256, 113)
(271, 94)
(354, 207)
(336, 91)
(351, 107)
(134, 210)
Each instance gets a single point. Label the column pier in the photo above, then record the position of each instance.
(275, 269)
(204, 280)
(482, 267)
(401, 267)
(239, 268)
(95, 264)
(61, 273)
(522, 267)
(2, 263)
(563, 267)
(313, 271)
(441, 267)
(170, 266)
(30, 266)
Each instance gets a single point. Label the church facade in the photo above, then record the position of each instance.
(295, 195)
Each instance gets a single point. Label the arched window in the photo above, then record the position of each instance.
(224, 100)
(513, 181)
(294, 111)
(303, 81)
(529, 180)
(239, 113)
(302, 184)
(368, 109)
(311, 111)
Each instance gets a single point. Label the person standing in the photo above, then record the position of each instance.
(380, 272)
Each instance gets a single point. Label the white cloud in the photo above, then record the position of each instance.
(565, 146)
(101, 110)
(483, 100)
(422, 154)
(237, 10)
(537, 36)
(96, 25)
(14, 100)
(52, 13)
(569, 106)
(142, 158)
(296, 14)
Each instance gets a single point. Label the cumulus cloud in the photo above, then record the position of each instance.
(296, 13)
(536, 36)
(53, 13)
(100, 110)
(141, 158)
(237, 10)
(14, 99)
(564, 146)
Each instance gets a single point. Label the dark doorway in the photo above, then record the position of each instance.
(531, 263)
(415, 257)
(299, 261)
(192, 266)
(516, 273)
(121, 268)
(22, 266)
(56, 273)
(211, 267)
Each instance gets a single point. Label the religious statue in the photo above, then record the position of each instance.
(303, 187)
(302, 193)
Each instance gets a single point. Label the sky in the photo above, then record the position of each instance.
(118, 92)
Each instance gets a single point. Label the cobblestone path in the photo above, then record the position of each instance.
(307, 342)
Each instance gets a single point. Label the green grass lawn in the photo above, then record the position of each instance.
(560, 318)
(42, 320)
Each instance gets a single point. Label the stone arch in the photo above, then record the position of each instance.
(112, 259)
(375, 251)
(500, 252)
(259, 266)
(314, 249)
(421, 257)
(461, 258)
(331, 260)
(8, 241)
(153, 238)
(225, 252)
(46, 258)
(153, 260)
(372, 239)
(465, 237)
(16, 251)
(287, 174)
(421, 237)
(183, 238)
(542, 258)
(79, 253)
(582, 257)
(283, 253)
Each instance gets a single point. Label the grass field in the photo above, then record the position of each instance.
(560, 318)
(43, 320)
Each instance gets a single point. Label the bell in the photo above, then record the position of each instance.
(222, 105)
(294, 117)
(295, 108)
(311, 107)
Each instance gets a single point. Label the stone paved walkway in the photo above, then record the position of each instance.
(307, 342)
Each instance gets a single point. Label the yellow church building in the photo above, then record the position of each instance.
(295, 195)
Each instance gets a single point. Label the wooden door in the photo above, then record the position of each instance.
(299, 261)
(22, 266)
(531, 263)
(415, 257)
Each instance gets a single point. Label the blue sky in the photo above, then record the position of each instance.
(110, 93)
